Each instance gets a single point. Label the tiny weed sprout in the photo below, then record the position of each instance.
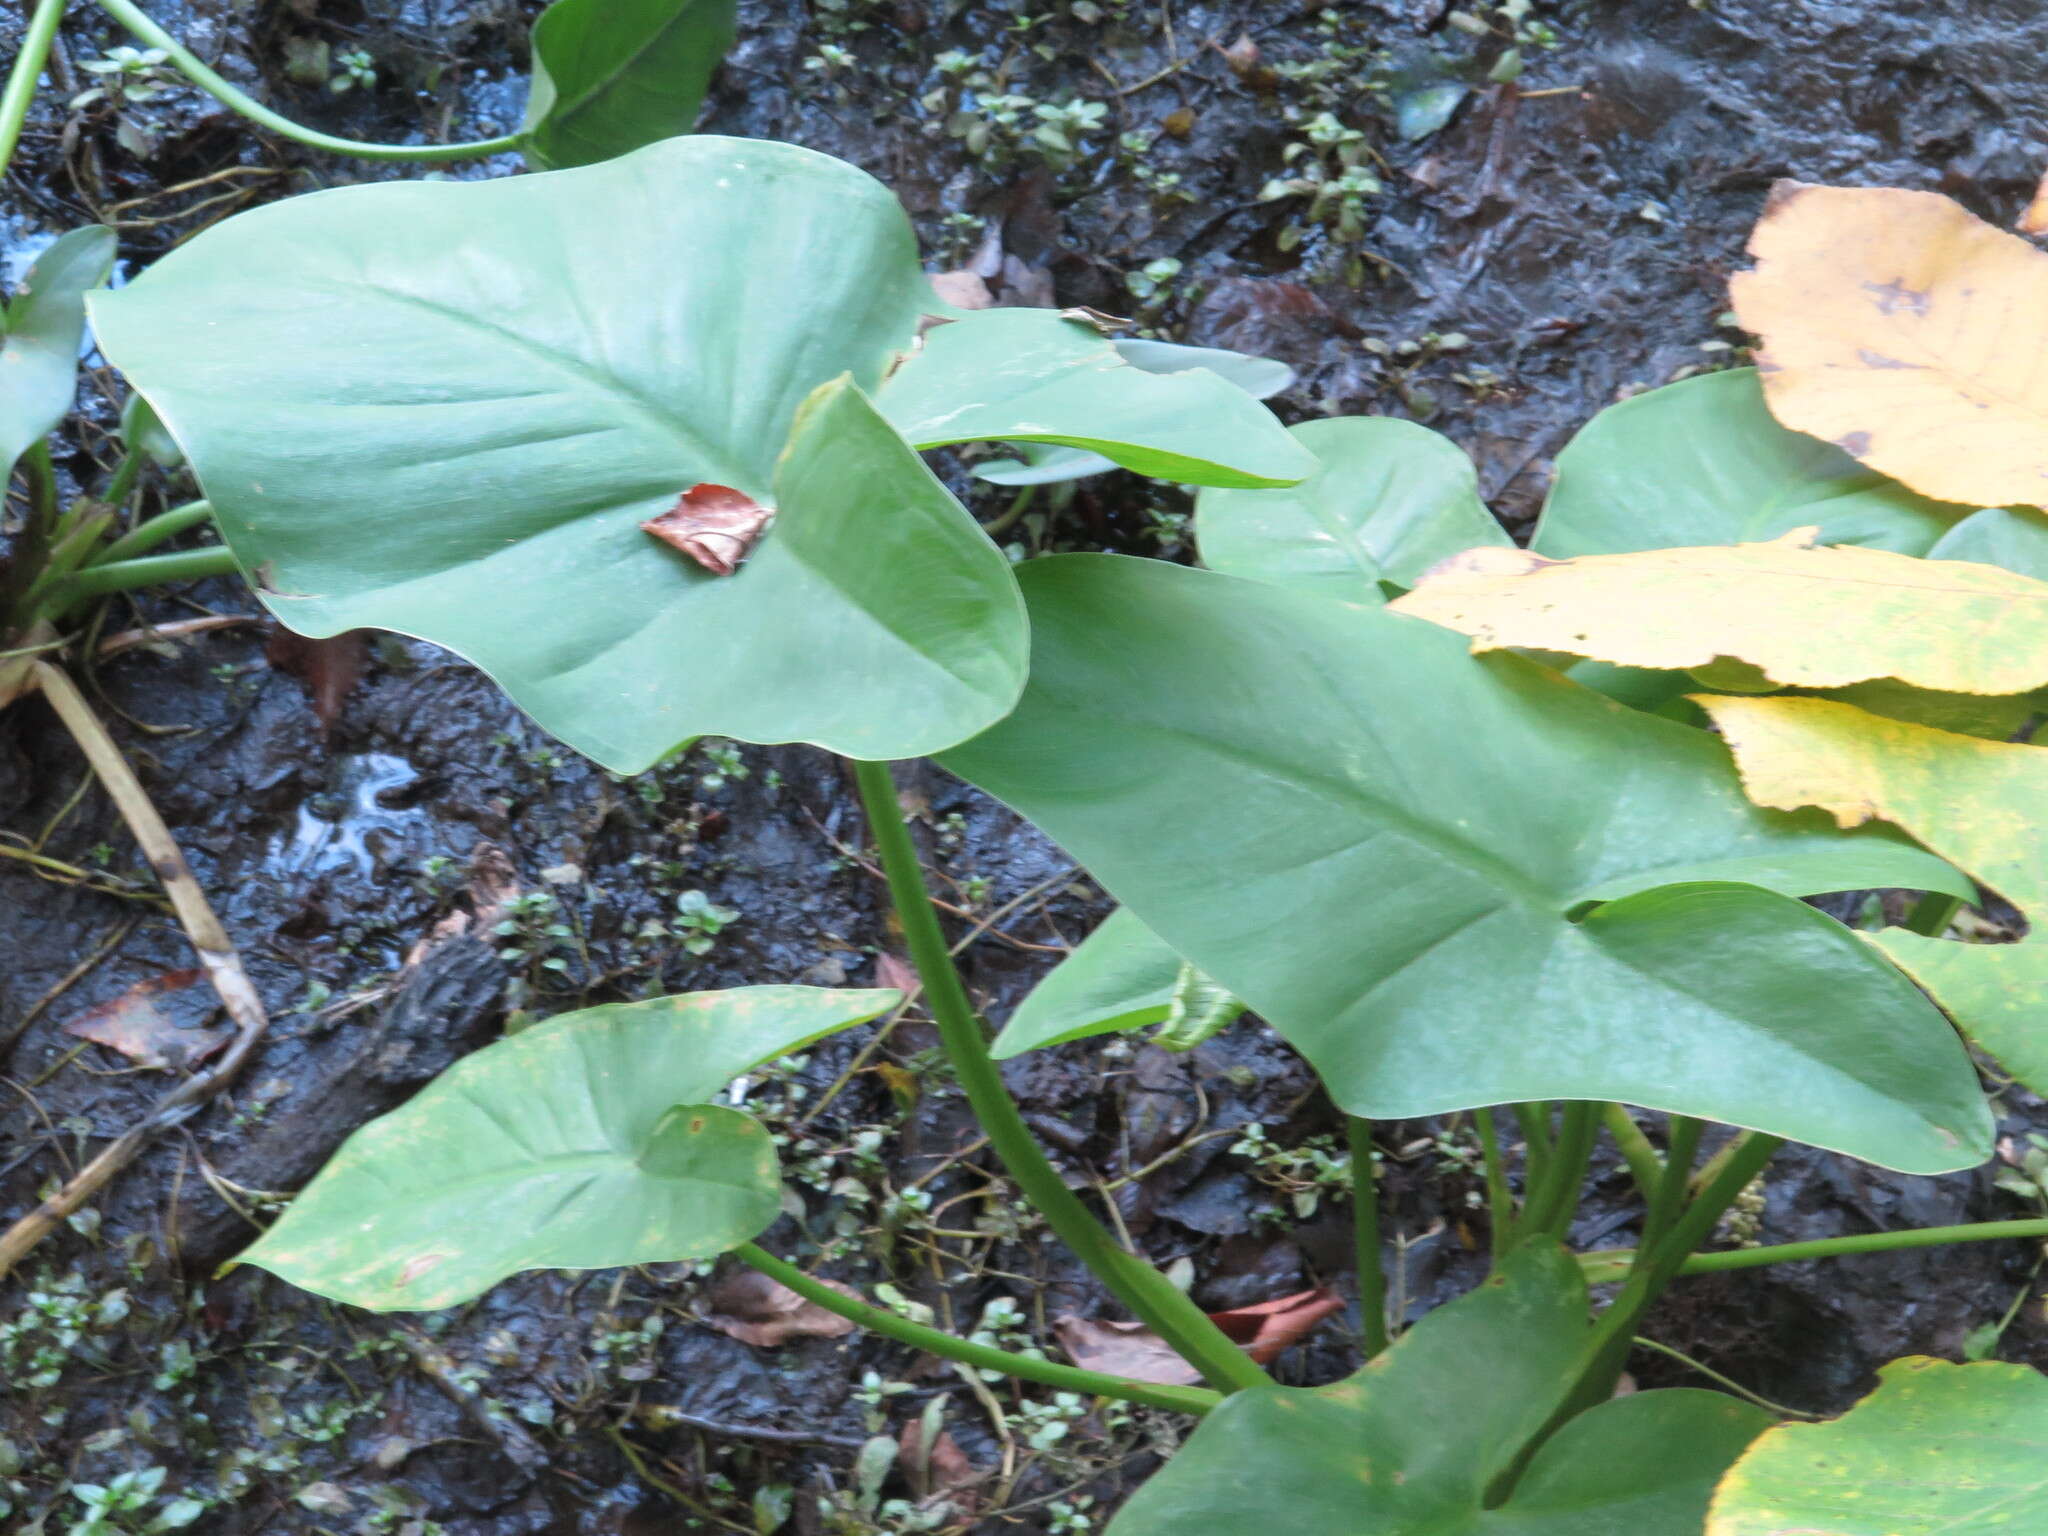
(1522, 838)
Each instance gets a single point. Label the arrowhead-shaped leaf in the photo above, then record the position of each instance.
(1705, 462)
(1937, 1450)
(584, 1142)
(39, 336)
(1409, 1446)
(1382, 844)
(446, 408)
(610, 76)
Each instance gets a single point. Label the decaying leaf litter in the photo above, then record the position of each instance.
(1490, 231)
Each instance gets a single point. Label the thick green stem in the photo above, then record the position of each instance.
(1606, 1349)
(1144, 1290)
(1682, 1144)
(1644, 1165)
(1866, 1242)
(1365, 1219)
(120, 576)
(1500, 1205)
(20, 89)
(42, 487)
(1068, 1378)
(1550, 1205)
(145, 536)
(194, 69)
(1655, 1267)
(1932, 914)
(1534, 1120)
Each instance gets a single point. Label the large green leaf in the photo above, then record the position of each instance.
(1705, 462)
(1936, 1450)
(39, 337)
(1036, 376)
(1390, 500)
(584, 1142)
(1120, 977)
(1410, 1445)
(1381, 843)
(610, 76)
(445, 408)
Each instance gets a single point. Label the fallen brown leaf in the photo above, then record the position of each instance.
(330, 668)
(1269, 1327)
(149, 1035)
(714, 525)
(756, 1310)
(1132, 1350)
(946, 1472)
(1127, 1349)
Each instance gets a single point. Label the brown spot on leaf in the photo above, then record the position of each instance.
(1894, 297)
(1855, 444)
(412, 1269)
(714, 525)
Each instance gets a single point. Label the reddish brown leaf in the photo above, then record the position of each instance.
(946, 1472)
(714, 525)
(756, 1310)
(151, 1035)
(329, 668)
(1271, 1326)
(1133, 1350)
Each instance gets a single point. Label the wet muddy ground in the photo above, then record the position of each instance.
(1535, 248)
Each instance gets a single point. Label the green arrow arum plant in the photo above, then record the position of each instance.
(642, 439)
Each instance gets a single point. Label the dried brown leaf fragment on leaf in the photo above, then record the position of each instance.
(153, 1024)
(748, 1306)
(1905, 330)
(1132, 1350)
(714, 525)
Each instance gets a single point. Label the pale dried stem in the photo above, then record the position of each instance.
(223, 967)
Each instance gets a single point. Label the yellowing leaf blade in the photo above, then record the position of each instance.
(1905, 330)
(1807, 617)
(1974, 802)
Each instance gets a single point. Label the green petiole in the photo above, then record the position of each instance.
(194, 69)
(1143, 1289)
(1069, 1378)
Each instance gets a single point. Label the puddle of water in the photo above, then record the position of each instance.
(365, 828)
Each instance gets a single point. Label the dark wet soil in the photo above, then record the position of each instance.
(1559, 241)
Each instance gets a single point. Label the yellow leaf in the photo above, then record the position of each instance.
(1976, 803)
(1908, 332)
(1808, 618)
